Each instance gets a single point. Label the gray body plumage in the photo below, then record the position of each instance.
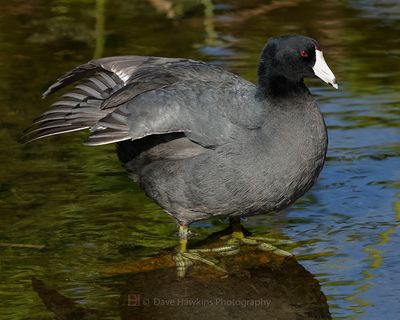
(196, 138)
(256, 170)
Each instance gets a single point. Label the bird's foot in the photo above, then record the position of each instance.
(264, 244)
(186, 259)
(231, 247)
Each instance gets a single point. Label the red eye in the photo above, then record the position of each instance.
(304, 53)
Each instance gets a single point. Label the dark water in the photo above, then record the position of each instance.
(78, 203)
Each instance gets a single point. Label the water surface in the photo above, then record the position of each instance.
(79, 204)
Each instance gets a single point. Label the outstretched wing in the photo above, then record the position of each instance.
(130, 97)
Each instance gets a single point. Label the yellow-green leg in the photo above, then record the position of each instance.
(237, 231)
(185, 258)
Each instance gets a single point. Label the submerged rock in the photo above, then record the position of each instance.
(257, 285)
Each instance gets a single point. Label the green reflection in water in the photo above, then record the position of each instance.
(375, 263)
(212, 35)
(100, 25)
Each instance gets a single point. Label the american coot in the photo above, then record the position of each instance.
(199, 140)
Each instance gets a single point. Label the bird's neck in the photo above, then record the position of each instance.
(273, 85)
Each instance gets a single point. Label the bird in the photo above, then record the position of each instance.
(199, 140)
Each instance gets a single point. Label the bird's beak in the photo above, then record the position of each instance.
(322, 71)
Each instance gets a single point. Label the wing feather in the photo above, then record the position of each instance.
(130, 97)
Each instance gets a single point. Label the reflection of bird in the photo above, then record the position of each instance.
(200, 141)
(63, 308)
(260, 285)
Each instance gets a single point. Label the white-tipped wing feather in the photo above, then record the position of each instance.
(131, 97)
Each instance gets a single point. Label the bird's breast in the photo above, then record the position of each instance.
(291, 157)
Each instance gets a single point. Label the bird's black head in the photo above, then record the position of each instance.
(285, 61)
